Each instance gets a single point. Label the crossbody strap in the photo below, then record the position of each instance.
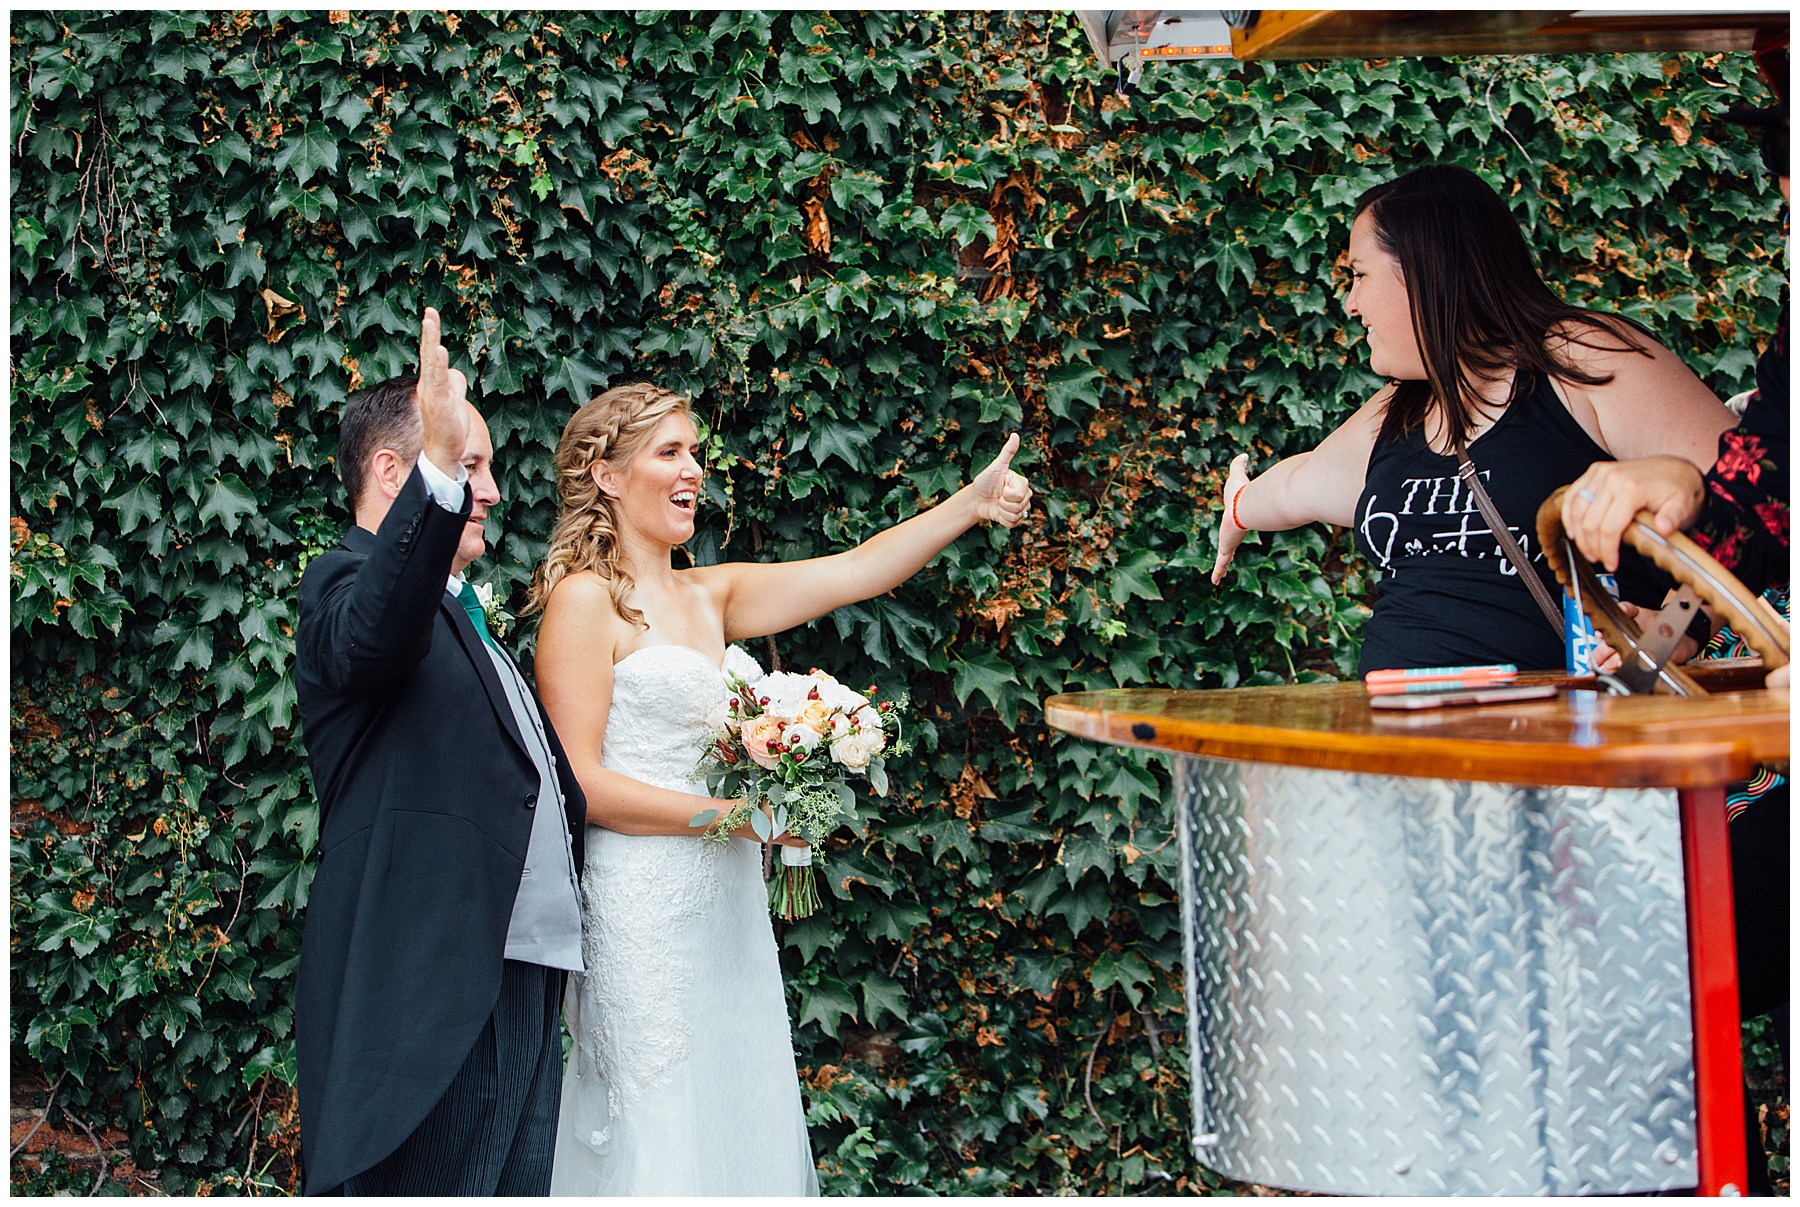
(1496, 525)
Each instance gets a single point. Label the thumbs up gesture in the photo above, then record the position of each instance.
(1001, 495)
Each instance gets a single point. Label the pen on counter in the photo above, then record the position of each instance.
(1439, 678)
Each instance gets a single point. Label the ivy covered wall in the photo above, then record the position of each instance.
(868, 246)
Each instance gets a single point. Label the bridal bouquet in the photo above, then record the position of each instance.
(792, 741)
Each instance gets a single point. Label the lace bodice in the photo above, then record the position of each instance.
(656, 726)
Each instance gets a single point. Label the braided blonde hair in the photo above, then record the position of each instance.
(611, 427)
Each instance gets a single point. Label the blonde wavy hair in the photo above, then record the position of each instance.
(611, 427)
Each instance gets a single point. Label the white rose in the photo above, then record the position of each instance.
(801, 737)
(840, 726)
(484, 595)
(741, 665)
(720, 720)
(855, 750)
(838, 697)
(869, 718)
(786, 694)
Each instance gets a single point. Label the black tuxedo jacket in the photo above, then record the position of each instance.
(427, 797)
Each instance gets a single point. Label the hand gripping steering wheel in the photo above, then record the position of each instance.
(1749, 615)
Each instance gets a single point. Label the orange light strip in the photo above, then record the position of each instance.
(1171, 52)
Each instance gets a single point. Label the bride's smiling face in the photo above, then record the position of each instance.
(657, 490)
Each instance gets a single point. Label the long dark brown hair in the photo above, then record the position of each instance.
(1478, 304)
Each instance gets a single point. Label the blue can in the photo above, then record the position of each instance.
(1580, 639)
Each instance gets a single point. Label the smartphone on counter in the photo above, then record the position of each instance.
(1411, 702)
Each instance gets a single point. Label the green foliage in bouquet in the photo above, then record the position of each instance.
(867, 244)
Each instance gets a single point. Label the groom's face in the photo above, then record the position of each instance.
(478, 459)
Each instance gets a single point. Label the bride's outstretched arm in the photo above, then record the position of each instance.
(770, 597)
(575, 651)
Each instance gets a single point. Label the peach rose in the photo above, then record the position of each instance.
(816, 716)
(757, 734)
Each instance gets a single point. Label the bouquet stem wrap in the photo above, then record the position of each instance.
(794, 893)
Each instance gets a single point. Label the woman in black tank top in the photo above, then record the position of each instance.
(1477, 350)
(1448, 594)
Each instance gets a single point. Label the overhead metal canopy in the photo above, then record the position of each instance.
(1129, 37)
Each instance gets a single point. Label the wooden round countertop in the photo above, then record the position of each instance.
(1623, 742)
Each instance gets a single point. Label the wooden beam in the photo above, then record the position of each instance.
(1713, 33)
(1372, 34)
(1274, 28)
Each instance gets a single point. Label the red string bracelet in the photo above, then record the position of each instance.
(1234, 514)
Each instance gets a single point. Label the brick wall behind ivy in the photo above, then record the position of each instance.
(868, 245)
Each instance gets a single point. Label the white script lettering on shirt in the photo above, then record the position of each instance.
(1422, 496)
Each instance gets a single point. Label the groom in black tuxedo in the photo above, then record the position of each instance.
(445, 913)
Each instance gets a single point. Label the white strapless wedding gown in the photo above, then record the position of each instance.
(682, 1079)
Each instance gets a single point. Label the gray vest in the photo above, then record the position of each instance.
(546, 917)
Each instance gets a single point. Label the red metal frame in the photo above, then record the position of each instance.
(1712, 971)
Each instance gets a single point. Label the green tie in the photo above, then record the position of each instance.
(472, 606)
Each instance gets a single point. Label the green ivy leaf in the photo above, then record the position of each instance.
(306, 151)
(285, 881)
(1082, 905)
(984, 671)
(966, 223)
(1072, 384)
(881, 995)
(839, 440)
(227, 501)
(270, 1061)
(181, 59)
(894, 920)
(1123, 969)
(135, 504)
(825, 1002)
(814, 99)
(1040, 973)
(196, 651)
(1131, 577)
(28, 234)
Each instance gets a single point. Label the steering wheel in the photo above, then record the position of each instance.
(1749, 615)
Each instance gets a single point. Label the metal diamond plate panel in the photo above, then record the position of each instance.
(1413, 986)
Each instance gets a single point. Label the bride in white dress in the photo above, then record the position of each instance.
(682, 1078)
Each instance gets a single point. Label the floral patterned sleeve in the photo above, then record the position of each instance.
(1744, 523)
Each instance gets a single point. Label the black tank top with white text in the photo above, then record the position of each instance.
(1448, 595)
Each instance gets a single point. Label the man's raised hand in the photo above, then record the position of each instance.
(443, 398)
(1002, 496)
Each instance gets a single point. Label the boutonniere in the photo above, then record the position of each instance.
(497, 616)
